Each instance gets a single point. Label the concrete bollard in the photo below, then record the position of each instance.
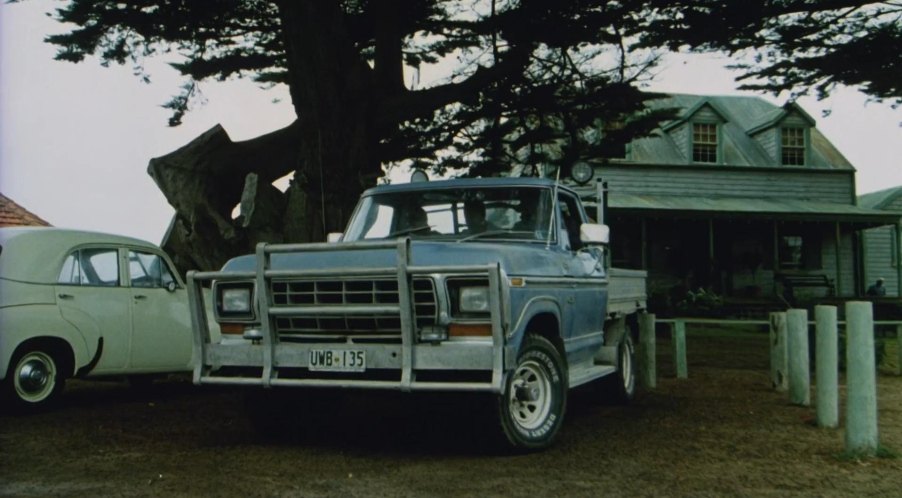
(679, 349)
(826, 362)
(861, 380)
(647, 361)
(778, 376)
(798, 362)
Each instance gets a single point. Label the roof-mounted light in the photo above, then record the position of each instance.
(582, 172)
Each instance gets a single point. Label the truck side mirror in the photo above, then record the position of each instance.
(334, 237)
(594, 234)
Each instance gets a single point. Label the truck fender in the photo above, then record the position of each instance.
(539, 305)
(614, 330)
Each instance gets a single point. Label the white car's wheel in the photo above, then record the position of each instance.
(34, 379)
(532, 404)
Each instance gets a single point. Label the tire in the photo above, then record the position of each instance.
(533, 400)
(34, 380)
(620, 387)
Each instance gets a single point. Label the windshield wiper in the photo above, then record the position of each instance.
(405, 231)
(489, 233)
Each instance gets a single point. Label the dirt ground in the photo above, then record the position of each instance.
(722, 432)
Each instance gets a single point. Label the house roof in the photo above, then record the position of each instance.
(880, 199)
(14, 215)
(743, 117)
(733, 207)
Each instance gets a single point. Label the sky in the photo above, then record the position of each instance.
(75, 139)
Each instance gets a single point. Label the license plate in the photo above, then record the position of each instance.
(337, 360)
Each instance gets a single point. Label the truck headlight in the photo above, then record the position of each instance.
(474, 299)
(236, 300)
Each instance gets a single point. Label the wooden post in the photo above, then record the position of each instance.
(647, 362)
(899, 345)
(799, 365)
(861, 380)
(778, 376)
(679, 349)
(826, 362)
(898, 236)
(839, 279)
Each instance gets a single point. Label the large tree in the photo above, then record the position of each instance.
(526, 83)
(527, 75)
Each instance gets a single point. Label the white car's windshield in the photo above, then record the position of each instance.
(496, 213)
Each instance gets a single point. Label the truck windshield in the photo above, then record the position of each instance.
(508, 213)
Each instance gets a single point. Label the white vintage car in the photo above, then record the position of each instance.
(84, 304)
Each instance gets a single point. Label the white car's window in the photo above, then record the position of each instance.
(71, 272)
(91, 267)
(148, 270)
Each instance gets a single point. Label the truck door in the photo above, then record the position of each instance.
(586, 302)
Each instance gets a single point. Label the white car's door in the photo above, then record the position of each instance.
(161, 323)
(91, 297)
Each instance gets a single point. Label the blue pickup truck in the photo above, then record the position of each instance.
(480, 285)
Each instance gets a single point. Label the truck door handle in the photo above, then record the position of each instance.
(65, 296)
(140, 296)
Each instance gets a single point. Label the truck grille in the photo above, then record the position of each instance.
(349, 292)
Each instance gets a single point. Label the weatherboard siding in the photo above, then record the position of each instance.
(881, 258)
(767, 139)
(724, 181)
(682, 139)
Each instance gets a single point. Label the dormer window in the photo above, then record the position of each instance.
(792, 146)
(704, 142)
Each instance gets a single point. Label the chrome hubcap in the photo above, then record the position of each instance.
(35, 376)
(626, 366)
(530, 395)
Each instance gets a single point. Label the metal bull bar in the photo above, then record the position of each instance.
(270, 354)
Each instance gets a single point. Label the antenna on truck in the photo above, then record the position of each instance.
(557, 182)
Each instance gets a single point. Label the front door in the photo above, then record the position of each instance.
(161, 323)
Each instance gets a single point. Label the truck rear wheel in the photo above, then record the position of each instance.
(620, 387)
(532, 403)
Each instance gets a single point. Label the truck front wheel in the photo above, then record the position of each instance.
(532, 404)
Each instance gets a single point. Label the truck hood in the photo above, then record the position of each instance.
(515, 259)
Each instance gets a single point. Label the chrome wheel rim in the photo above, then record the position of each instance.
(626, 366)
(530, 397)
(35, 377)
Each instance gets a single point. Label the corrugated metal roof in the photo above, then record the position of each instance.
(741, 114)
(880, 199)
(750, 207)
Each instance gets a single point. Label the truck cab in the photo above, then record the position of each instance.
(481, 285)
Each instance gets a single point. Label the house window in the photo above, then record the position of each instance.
(704, 142)
(800, 251)
(792, 146)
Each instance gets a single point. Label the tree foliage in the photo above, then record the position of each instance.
(523, 74)
(505, 83)
(797, 46)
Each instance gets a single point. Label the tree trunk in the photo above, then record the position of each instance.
(205, 180)
(333, 97)
(331, 148)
